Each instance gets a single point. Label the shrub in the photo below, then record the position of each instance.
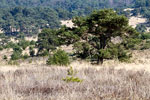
(24, 44)
(82, 49)
(123, 55)
(16, 55)
(145, 36)
(70, 77)
(44, 53)
(132, 43)
(17, 48)
(1, 48)
(32, 42)
(25, 56)
(5, 57)
(141, 28)
(145, 46)
(32, 52)
(59, 57)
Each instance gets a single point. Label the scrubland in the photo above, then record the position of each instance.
(110, 81)
(47, 84)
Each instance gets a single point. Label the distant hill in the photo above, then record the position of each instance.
(70, 4)
(28, 16)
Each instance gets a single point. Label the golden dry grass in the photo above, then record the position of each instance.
(45, 83)
(111, 81)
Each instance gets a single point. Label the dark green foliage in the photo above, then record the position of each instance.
(59, 57)
(1, 48)
(141, 28)
(47, 40)
(123, 55)
(5, 57)
(25, 56)
(145, 36)
(44, 53)
(145, 46)
(82, 49)
(10, 45)
(28, 16)
(67, 35)
(132, 43)
(32, 42)
(21, 20)
(17, 48)
(99, 29)
(69, 5)
(16, 55)
(24, 44)
(32, 52)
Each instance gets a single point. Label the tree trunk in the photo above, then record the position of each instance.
(102, 45)
(100, 60)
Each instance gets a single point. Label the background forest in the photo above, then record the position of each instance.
(30, 16)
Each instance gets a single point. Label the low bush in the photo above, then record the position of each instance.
(16, 55)
(123, 55)
(32, 51)
(145, 36)
(5, 57)
(1, 48)
(145, 46)
(25, 56)
(59, 57)
(71, 76)
(44, 53)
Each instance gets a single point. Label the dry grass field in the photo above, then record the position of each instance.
(43, 83)
(32, 79)
(111, 81)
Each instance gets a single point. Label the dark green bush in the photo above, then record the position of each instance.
(24, 44)
(32, 52)
(82, 49)
(1, 48)
(59, 57)
(32, 42)
(141, 28)
(123, 55)
(10, 45)
(16, 55)
(145, 36)
(5, 57)
(132, 43)
(25, 56)
(44, 53)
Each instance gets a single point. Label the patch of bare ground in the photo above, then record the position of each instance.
(67, 23)
(133, 21)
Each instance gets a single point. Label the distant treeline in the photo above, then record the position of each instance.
(29, 16)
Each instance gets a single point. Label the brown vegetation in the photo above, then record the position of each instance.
(47, 84)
